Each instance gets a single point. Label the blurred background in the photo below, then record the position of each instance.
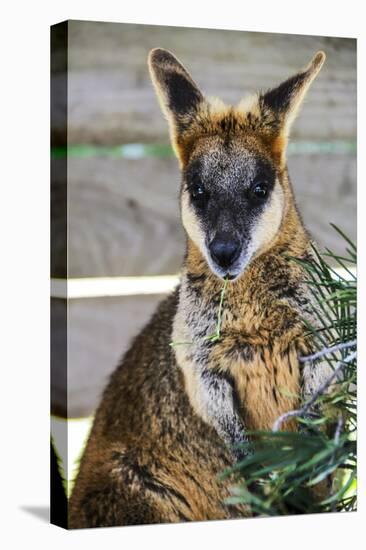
(123, 181)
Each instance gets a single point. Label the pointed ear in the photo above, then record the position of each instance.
(178, 95)
(282, 104)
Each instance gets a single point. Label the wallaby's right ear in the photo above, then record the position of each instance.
(178, 95)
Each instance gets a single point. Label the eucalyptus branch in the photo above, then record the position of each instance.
(320, 391)
(325, 351)
(325, 451)
(338, 429)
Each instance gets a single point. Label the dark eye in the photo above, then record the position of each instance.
(198, 193)
(260, 190)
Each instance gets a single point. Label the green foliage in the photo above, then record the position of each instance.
(314, 469)
(217, 334)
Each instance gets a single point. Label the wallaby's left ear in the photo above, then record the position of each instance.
(178, 94)
(284, 101)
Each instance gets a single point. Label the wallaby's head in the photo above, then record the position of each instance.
(235, 192)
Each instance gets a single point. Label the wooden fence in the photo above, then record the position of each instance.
(123, 216)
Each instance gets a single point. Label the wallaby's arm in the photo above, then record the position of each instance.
(218, 406)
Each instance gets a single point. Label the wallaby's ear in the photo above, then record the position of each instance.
(284, 101)
(178, 95)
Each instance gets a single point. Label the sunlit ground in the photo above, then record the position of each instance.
(70, 437)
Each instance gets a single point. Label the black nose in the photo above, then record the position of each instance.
(224, 249)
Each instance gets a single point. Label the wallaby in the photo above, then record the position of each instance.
(171, 414)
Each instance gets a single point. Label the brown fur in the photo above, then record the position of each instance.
(258, 318)
(149, 458)
(251, 119)
(153, 454)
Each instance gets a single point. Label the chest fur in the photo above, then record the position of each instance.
(257, 348)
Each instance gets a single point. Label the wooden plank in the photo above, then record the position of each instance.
(124, 216)
(59, 106)
(325, 189)
(99, 332)
(58, 357)
(111, 99)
